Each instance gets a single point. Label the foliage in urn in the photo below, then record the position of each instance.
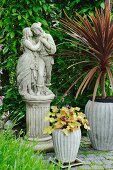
(94, 37)
(68, 119)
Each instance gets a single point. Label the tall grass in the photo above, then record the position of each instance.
(17, 154)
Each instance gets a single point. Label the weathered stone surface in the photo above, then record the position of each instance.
(35, 65)
(93, 160)
(100, 115)
(96, 167)
(34, 78)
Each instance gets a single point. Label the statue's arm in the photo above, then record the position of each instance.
(46, 43)
(49, 44)
(30, 46)
(52, 44)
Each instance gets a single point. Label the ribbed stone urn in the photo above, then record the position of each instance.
(100, 116)
(66, 147)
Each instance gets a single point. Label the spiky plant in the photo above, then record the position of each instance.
(94, 35)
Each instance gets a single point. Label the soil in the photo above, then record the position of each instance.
(108, 99)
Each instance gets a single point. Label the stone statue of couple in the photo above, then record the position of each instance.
(35, 65)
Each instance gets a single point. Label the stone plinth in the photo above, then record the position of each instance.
(36, 111)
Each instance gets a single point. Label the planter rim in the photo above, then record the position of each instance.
(79, 129)
(108, 99)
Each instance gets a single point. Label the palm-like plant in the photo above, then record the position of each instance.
(94, 35)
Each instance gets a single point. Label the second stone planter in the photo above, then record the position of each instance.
(66, 147)
(100, 117)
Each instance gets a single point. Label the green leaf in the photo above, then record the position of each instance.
(13, 10)
(19, 17)
(77, 1)
(35, 9)
(30, 12)
(12, 34)
(44, 22)
(1, 24)
(52, 120)
(84, 10)
(102, 5)
(5, 50)
(74, 2)
(45, 7)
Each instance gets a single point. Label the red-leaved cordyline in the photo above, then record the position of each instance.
(94, 36)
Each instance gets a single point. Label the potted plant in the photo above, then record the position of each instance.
(94, 36)
(65, 126)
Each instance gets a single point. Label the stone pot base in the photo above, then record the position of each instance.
(44, 146)
(77, 162)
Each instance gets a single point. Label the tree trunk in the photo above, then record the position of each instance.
(107, 3)
(103, 85)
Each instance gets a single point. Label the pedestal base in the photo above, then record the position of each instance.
(40, 139)
(36, 110)
(44, 146)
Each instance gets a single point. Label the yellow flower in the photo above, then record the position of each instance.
(66, 132)
(51, 113)
(71, 125)
(67, 119)
(80, 118)
(47, 118)
(54, 109)
(81, 114)
(64, 111)
(48, 130)
(77, 109)
(85, 121)
(75, 117)
(51, 119)
(72, 109)
(58, 125)
(86, 127)
(71, 119)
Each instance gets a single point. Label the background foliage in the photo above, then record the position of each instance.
(18, 14)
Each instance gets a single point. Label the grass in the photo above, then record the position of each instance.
(16, 154)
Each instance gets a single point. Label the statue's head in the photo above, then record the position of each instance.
(27, 32)
(36, 28)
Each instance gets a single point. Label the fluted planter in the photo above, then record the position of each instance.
(66, 147)
(100, 116)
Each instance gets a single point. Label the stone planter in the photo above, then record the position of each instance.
(66, 147)
(100, 116)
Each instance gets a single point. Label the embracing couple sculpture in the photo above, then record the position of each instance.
(35, 65)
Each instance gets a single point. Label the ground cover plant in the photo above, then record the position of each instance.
(17, 154)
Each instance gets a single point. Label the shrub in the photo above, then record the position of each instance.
(17, 15)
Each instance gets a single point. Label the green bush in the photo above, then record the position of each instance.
(16, 15)
(17, 154)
